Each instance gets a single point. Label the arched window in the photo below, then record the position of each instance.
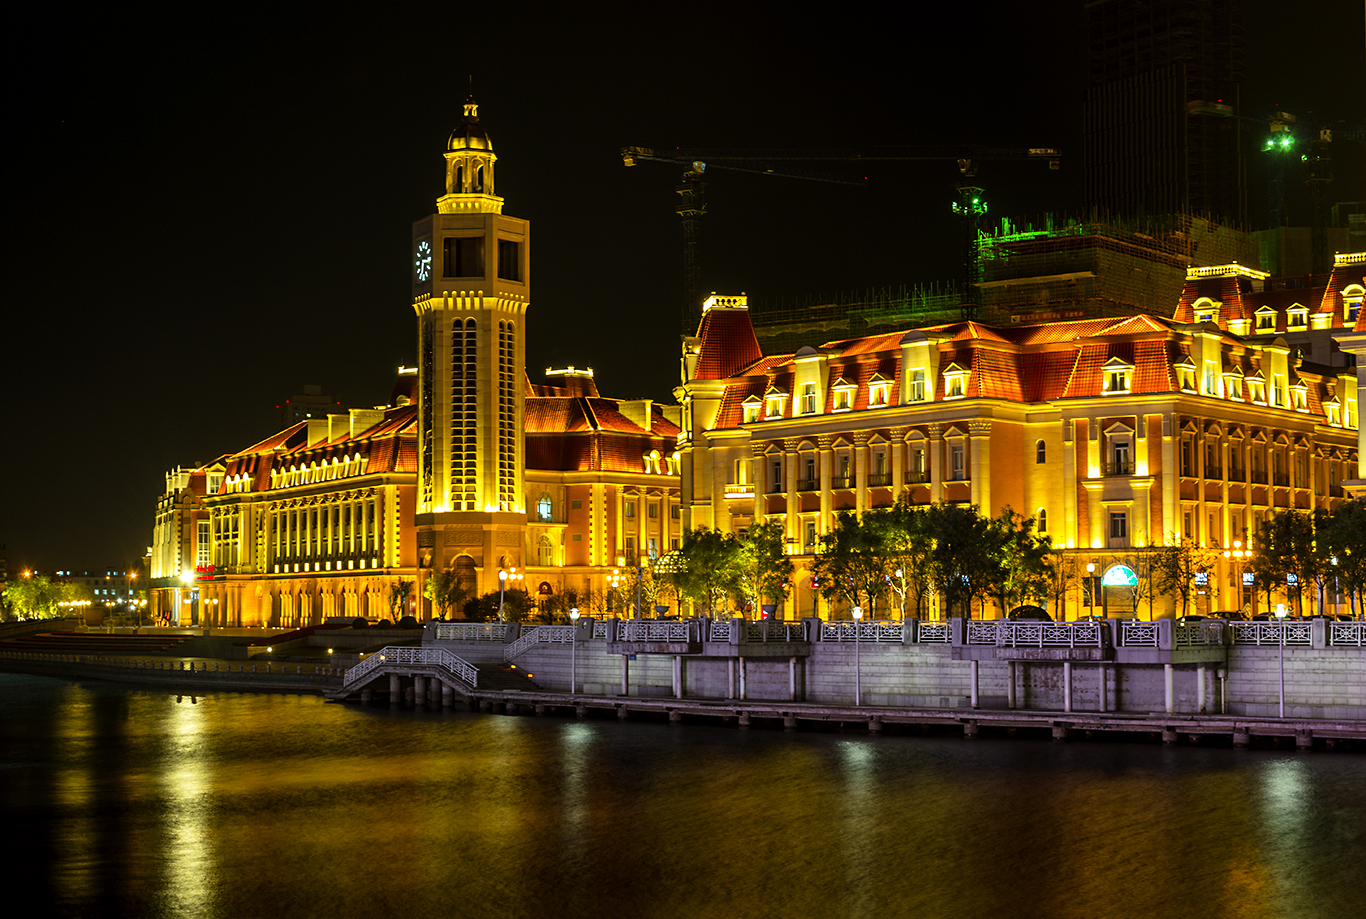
(1043, 520)
(1041, 452)
(545, 508)
(545, 552)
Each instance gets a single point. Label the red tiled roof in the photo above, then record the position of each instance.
(554, 414)
(726, 343)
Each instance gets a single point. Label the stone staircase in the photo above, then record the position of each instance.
(506, 678)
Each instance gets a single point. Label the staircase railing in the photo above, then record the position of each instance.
(391, 656)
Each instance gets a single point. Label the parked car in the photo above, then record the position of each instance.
(1192, 618)
(1030, 614)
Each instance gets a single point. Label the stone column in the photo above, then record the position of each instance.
(979, 474)
(898, 462)
(730, 678)
(1167, 687)
(1071, 525)
(974, 684)
(860, 439)
(756, 477)
(1200, 689)
(419, 689)
(790, 486)
(1096, 537)
(792, 679)
(1067, 686)
(935, 446)
(825, 443)
(626, 674)
(395, 688)
(678, 676)
(1010, 684)
(744, 689)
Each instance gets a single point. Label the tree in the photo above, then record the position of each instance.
(399, 592)
(706, 568)
(1065, 574)
(906, 545)
(850, 565)
(764, 568)
(1177, 566)
(963, 564)
(445, 589)
(1143, 562)
(1023, 564)
(1287, 544)
(40, 597)
(1346, 545)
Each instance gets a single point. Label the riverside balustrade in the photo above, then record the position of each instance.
(470, 631)
(1347, 634)
(1005, 633)
(653, 630)
(541, 635)
(873, 630)
(400, 656)
(1298, 634)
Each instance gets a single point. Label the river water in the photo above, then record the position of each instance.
(137, 803)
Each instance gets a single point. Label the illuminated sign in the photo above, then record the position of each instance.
(1201, 578)
(203, 572)
(1119, 576)
(1249, 579)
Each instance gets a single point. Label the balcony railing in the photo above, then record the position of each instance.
(775, 489)
(745, 490)
(917, 478)
(841, 481)
(1213, 472)
(879, 479)
(1281, 479)
(808, 485)
(1125, 468)
(1258, 478)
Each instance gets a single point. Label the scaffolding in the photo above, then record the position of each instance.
(1099, 266)
(786, 324)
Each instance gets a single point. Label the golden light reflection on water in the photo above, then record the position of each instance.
(280, 805)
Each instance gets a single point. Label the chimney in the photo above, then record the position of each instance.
(640, 411)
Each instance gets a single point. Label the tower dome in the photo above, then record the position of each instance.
(470, 135)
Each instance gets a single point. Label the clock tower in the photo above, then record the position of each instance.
(471, 288)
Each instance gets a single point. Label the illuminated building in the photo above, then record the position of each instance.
(1116, 432)
(468, 467)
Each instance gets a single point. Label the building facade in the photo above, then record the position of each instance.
(1115, 433)
(468, 467)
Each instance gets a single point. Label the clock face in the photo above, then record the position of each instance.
(422, 264)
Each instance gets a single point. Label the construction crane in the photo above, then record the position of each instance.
(969, 204)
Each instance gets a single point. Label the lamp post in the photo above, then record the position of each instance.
(1281, 613)
(573, 646)
(858, 688)
(504, 575)
(187, 577)
(1091, 588)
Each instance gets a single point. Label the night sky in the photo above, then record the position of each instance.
(206, 216)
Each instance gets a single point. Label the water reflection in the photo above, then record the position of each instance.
(233, 805)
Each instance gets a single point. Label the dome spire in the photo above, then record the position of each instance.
(469, 166)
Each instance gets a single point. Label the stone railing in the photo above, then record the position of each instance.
(871, 631)
(653, 630)
(1048, 634)
(602, 629)
(399, 656)
(981, 632)
(932, 633)
(1138, 634)
(470, 631)
(1297, 634)
(763, 630)
(1347, 634)
(1202, 633)
(541, 635)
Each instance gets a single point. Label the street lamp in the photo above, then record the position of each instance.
(1281, 613)
(1091, 588)
(187, 578)
(858, 688)
(504, 574)
(573, 646)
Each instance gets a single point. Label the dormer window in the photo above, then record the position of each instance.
(919, 391)
(1206, 310)
(773, 404)
(808, 398)
(1351, 303)
(955, 382)
(844, 395)
(1185, 375)
(1266, 320)
(1256, 388)
(1118, 376)
(751, 409)
(1334, 411)
(879, 391)
(1297, 318)
(1299, 397)
(1233, 383)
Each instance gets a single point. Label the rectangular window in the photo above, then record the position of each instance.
(1119, 525)
(777, 475)
(918, 386)
(676, 512)
(576, 504)
(630, 509)
(464, 256)
(654, 511)
(202, 547)
(1188, 524)
(957, 465)
(810, 533)
(809, 399)
(1122, 458)
(810, 469)
(509, 260)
